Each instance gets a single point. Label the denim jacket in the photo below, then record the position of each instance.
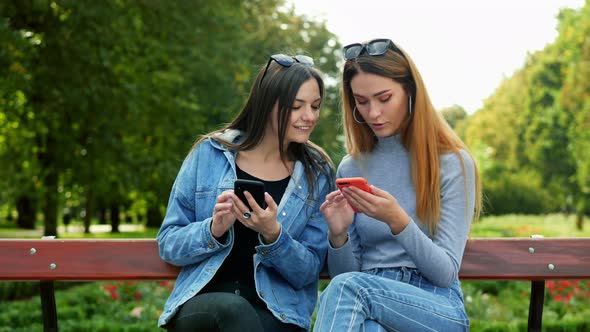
(286, 271)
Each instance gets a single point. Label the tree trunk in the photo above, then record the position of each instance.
(115, 219)
(89, 210)
(102, 216)
(26, 212)
(580, 210)
(580, 221)
(50, 204)
(154, 217)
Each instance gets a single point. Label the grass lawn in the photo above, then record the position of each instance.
(550, 225)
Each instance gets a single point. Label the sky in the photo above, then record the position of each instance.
(462, 48)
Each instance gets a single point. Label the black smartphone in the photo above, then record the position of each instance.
(255, 188)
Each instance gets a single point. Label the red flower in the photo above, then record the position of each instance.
(114, 295)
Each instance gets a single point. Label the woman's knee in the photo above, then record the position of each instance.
(346, 282)
(229, 306)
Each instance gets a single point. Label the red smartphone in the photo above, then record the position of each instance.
(358, 182)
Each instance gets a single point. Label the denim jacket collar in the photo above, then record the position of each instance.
(230, 135)
(236, 136)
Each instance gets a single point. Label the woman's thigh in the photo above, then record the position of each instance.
(396, 305)
(216, 312)
(226, 312)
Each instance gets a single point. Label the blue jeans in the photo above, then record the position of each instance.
(393, 299)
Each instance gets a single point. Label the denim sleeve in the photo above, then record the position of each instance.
(439, 259)
(300, 261)
(182, 240)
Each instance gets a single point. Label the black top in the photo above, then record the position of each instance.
(236, 273)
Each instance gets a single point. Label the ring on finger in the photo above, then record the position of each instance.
(246, 215)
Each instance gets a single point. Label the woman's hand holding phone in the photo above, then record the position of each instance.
(375, 203)
(261, 208)
(357, 182)
(340, 207)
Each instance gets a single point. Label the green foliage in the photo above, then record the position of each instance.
(453, 115)
(15, 290)
(496, 306)
(101, 101)
(503, 305)
(519, 225)
(575, 94)
(508, 191)
(101, 306)
(17, 155)
(517, 193)
(538, 120)
(18, 290)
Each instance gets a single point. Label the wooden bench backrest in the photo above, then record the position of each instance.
(526, 258)
(129, 259)
(138, 259)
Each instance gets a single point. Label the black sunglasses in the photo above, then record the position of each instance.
(374, 47)
(287, 61)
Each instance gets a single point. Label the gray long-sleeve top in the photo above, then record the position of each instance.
(371, 243)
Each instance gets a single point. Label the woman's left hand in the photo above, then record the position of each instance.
(263, 221)
(379, 205)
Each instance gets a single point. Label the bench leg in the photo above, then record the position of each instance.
(536, 305)
(48, 308)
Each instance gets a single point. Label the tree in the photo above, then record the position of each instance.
(574, 100)
(118, 91)
(19, 183)
(453, 115)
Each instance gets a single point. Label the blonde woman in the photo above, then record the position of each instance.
(395, 263)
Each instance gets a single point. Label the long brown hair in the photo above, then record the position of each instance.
(279, 84)
(424, 133)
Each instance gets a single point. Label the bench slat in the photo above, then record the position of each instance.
(526, 258)
(138, 259)
(112, 259)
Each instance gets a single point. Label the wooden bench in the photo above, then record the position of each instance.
(48, 260)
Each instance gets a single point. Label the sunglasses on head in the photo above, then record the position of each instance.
(374, 47)
(287, 61)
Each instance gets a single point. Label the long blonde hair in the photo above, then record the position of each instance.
(424, 133)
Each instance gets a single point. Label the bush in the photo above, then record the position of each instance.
(101, 306)
(504, 305)
(517, 193)
(18, 290)
(25, 289)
